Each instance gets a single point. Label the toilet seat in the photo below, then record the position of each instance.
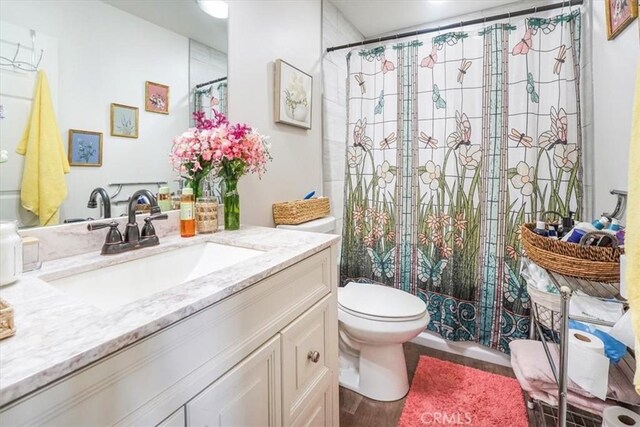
(380, 303)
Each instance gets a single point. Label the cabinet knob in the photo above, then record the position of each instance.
(314, 356)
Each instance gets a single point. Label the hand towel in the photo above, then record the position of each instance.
(531, 366)
(632, 236)
(43, 186)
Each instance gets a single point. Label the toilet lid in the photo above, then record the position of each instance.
(380, 301)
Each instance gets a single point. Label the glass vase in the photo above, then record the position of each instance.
(196, 185)
(231, 200)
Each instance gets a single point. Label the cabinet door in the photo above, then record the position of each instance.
(174, 420)
(248, 395)
(306, 360)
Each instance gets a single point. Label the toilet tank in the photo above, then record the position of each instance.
(325, 225)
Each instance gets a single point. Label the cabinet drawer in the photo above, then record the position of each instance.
(305, 362)
(317, 412)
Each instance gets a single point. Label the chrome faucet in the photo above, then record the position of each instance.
(115, 243)
(106, 200)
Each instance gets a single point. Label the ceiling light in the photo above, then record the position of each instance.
(216, 8)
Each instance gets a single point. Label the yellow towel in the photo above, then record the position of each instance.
(632, 236)
(43, 185)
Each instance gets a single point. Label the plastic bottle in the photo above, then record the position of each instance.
(187, 213)
(164, 199)
(615, 225)
(582, 228)
(541, 229)
(567, 224)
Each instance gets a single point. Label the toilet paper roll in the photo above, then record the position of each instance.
(588, 366)
(586, 341)
(616, 416)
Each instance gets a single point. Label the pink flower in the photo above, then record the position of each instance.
(212, 143)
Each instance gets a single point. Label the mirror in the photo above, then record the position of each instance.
(124, 78)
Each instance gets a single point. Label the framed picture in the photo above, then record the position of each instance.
(156, 98)
(293, 92)
(619, 14)
(124, 121)
(85, 148)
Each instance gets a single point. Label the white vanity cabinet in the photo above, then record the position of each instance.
(264, 356)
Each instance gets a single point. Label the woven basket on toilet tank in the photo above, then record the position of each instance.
(299, 211)
(595, 263)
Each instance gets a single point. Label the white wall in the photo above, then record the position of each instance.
(106, 55)
(336, 30)
(614, 69)
(259, 33)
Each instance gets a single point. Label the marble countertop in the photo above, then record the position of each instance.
(58, 334)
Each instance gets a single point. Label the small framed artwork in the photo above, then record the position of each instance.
(85, 148)
(293, 95)
(156, 98)
(124, 121)
(619, 14)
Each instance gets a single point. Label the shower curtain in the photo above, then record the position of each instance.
(453, 142)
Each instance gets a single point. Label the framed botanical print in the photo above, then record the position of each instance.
(156, 98)
(619, 14)
(293, 95)
(85, 148)
(124, 121)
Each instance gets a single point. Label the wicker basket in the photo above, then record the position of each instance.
(299, 211)
(599, 264)
(547, 307)
(7, 327)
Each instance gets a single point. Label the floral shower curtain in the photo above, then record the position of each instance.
(453, 142)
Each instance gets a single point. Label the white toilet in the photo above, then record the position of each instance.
(374, 321)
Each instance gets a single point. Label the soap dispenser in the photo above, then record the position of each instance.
(10, 252)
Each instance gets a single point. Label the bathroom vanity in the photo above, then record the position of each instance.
(250, 342)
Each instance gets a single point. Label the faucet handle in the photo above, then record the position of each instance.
(99, 225)
(113, 236)
(148, 230)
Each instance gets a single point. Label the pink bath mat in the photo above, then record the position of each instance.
(444, 393)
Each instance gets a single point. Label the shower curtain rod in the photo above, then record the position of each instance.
(198, 86)
(460, 24)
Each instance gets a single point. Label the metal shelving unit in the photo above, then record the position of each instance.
(620, 373)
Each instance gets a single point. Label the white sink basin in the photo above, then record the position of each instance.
(120, 284)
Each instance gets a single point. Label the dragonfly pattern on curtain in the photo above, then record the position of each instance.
(453, 142)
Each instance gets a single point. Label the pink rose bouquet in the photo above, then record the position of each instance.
(229, 150)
